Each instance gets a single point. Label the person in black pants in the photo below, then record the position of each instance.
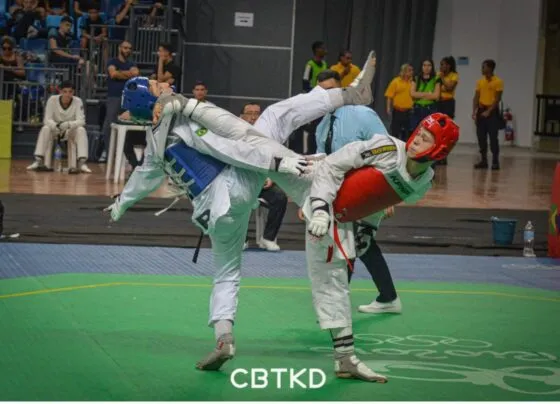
(276, 201)
(271, 196)
(486, 113)
(387, 301)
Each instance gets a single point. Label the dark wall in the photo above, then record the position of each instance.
(399, 30)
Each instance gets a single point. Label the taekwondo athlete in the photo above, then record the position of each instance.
(170, 148)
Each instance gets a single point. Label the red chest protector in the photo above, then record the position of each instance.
(365, 191)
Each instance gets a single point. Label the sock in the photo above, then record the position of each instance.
(343, 341)
(222, 327)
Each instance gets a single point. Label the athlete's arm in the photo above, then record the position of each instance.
(380, 151)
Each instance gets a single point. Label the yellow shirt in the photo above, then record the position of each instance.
(488, 90)
(349, 78)
(449, 95)
(399, 91)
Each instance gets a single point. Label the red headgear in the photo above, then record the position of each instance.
(446, 135)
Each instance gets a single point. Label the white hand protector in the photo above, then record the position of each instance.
(321, 219)
(64, 126)
(292, 165)
(115, 210)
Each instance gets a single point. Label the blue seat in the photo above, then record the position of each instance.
(53, 21)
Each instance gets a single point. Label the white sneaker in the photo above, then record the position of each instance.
(33, 166)
(394, 307)
(85, 169)
(268, 245)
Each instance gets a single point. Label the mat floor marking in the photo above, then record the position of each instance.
(294, 288)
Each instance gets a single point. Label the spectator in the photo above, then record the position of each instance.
(59, 44)
(23, 18)
(94, 29)
(271, 195)
(314, 66)
(64, 120)
(81, 7)
(155, 11)
(200, 91)
(399, 103)
(167, 71)
(425, 92)
(9, 58)
(122, 19)
(486, 114)
(347, 71)
(119, 70)
(449, 79)
(18, 5)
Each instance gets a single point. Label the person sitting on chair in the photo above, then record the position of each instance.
(64, 120)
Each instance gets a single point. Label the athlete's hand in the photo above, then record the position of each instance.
(293, 165)
(321, 219)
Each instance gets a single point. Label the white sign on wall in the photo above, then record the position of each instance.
(244, 19)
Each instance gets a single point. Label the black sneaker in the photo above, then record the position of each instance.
(481, 165)
(495, 166)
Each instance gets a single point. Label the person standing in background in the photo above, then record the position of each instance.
(449, 80)
(399, 103)
(314, 66)
(425, 91)
(347, 71)
(487, 97)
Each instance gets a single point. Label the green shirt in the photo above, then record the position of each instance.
(423, 86)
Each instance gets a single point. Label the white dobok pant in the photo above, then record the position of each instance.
(228, 234)
(77, 145)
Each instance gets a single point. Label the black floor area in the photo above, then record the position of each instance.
(79, 219)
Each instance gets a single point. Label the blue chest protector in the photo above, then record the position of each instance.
(195, 170)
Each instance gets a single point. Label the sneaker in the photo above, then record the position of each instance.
(85, 169)
(350, 367)
(394, 307)
(481, 165)
(495, 166)
(103, 158)
(224, 351)
(268, 245)
(33, 166)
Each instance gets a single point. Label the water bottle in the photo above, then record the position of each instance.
(529, 240)
(58, 158)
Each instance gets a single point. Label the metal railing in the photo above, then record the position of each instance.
(548, 116)
(31, 93)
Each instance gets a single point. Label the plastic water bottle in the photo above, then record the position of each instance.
(58, 158)
(529, 240)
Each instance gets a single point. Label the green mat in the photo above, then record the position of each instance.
(124, 337)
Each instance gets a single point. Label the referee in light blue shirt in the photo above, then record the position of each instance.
(350, 123)
(345, 125)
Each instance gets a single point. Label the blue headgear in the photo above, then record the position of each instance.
(137, 99)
